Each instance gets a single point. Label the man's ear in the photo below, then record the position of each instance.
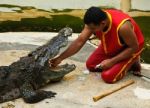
(103, 22)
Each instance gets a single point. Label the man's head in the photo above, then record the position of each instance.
(95, 19)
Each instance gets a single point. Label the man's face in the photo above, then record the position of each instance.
(98, 27)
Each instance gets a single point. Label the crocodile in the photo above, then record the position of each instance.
(25, 77)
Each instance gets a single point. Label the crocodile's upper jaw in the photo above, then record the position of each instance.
(66, 32)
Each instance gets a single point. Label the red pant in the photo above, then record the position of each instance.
(117, 71)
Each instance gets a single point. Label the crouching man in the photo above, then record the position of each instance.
(121, 44)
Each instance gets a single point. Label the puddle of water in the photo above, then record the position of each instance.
(142, 93)
(146, 66)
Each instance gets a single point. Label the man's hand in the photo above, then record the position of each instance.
(54, 62)
(106, 64)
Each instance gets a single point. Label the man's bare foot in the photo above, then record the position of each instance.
(136, 68)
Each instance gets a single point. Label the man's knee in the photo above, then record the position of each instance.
(89, 66)
(107, 77)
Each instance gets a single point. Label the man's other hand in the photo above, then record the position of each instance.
(106, 64)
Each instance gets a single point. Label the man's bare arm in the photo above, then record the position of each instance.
(129, 37)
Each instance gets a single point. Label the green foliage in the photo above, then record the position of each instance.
(144, 23)
(53, 24)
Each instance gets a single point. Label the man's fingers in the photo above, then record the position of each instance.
(50, 62)
(50, 65)
(53, 62)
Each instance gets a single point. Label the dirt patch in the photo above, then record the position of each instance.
(7, 57)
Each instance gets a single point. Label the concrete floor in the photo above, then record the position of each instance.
(77, 88)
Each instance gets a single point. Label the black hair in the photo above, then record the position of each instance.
(94, 15)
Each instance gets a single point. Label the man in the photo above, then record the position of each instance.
(121, 44)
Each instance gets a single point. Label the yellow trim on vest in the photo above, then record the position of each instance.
(104, 43)
(103, 33)
(130, 60)
(122, 22)
(110, 19)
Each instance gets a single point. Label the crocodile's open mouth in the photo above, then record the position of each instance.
(59, 42)
(63, 42)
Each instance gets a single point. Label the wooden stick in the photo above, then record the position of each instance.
(110, 91)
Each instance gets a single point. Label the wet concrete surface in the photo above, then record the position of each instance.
(77, 88)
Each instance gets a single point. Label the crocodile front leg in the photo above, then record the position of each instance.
(31, 96)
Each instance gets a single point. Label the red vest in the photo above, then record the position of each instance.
(110, 39)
